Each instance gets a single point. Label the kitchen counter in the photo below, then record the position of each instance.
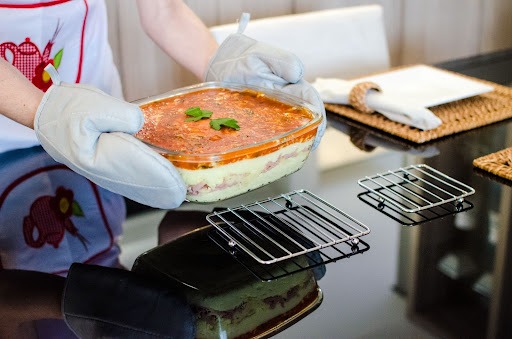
(447, 277)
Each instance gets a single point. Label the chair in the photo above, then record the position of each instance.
(344, 42)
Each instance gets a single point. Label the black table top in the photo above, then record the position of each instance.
(445, 277)
(453, 272)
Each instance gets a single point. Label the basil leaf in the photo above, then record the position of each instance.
(216, 124)
(197, 114)
(193, 119)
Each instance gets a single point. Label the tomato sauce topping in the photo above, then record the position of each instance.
(260, 119)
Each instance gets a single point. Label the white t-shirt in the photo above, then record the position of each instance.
(71, 34)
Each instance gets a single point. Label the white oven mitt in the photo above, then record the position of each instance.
(243, 60)
(91, 133)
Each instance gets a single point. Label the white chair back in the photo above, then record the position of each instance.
(343, 42)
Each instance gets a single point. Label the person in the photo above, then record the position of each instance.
(63, 118)
(83, 125)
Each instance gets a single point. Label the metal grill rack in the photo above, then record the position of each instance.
(415, 194)
(277, 229)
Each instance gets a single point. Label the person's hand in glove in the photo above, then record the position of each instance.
(92, 133)
(243, 60)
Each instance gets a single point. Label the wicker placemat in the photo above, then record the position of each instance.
(498, 163)
(457, 116)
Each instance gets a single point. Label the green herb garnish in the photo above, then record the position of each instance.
(197, 114)
(216, 124)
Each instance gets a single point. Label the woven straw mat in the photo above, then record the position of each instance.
(457, 116)
(498, 163)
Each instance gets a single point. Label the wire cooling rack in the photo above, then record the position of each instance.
(287, 226)
(415, 194)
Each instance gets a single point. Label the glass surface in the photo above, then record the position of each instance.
(450, 277)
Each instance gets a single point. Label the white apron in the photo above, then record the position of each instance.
(71, 34)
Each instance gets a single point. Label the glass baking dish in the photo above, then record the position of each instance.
(275, 136)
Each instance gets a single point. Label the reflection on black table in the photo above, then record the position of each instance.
(50, 218)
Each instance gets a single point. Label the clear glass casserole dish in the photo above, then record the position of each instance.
(227, 139)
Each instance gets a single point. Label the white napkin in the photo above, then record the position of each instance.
(399, 109)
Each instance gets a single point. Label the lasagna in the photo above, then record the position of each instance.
(239, 139)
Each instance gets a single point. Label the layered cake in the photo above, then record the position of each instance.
(227, 140)
(228, 300)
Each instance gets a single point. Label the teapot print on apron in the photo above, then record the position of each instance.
(50, 218)
(30, 61)
(35, 33)
(71, 34)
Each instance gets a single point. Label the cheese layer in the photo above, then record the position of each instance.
(225, 181)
